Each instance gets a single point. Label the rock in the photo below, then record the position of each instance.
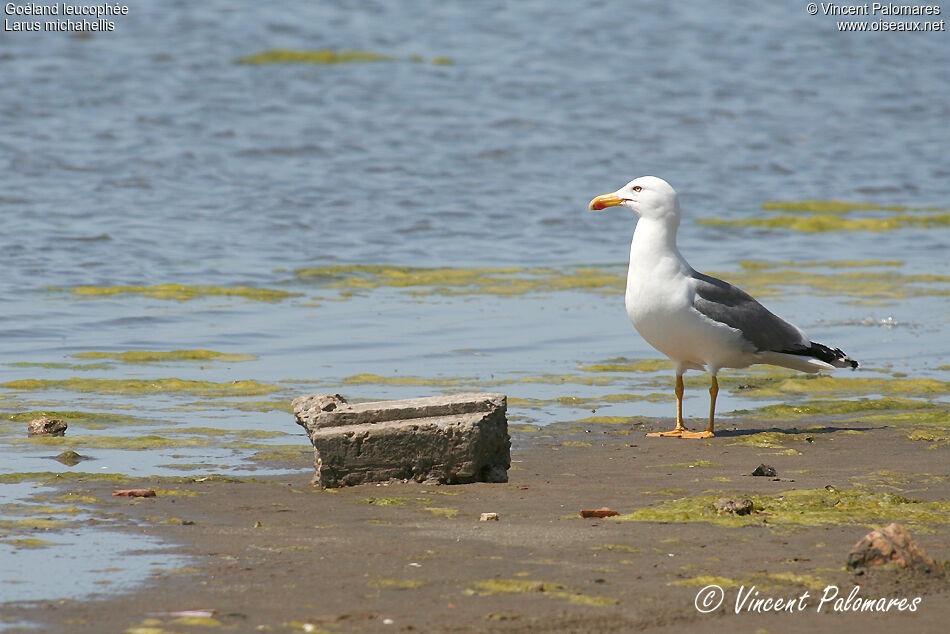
(488, 517)
(764, 470)
(71, 458)
(601, 512)
(45, 426)
(446, 439)
(134, 493)
(738, 506)
(892, 544)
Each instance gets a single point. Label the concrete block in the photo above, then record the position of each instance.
(446, 439)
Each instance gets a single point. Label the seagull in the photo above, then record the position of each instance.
(700, 322)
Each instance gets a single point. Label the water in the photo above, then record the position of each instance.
(148, 156)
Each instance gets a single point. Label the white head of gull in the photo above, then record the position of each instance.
(698, 321)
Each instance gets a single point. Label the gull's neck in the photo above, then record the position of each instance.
(654, 243)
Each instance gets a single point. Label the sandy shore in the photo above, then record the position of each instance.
(274, 554)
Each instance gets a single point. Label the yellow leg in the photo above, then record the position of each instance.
(680, 430)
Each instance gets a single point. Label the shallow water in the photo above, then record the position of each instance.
(149, 156)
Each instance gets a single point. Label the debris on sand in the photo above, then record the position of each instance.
(134, 493)
(601, 512)
(488, 517)
(45, 426)
(453, 439)
(764, 470)
(737, 506)
(892, 544)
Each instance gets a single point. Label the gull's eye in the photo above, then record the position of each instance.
(637, 188)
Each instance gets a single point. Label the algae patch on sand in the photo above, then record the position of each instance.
(153, 356)
(182, 292)
(848, 386)
(813, 408)
(396, 584)
(806, 507)
(544, 588)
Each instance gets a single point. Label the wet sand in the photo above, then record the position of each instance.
(274, 554)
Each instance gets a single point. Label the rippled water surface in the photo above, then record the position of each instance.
(150, 156)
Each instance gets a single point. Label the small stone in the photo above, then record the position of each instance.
(71, 458)
(488, 517)
(45, 426)
(736, 506)
(764, 470)
(892, 544)
(601, 512)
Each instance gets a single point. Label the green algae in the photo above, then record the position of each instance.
(40, 523)
(89, 420)
(80, 477)
(555, 379)
(821, 221)
(29, 542)
(770, 439)
(837, 206)
(624, 548)
(622, 364)
(763, 581)
(153, 356)
(207, 389)
(848, 386)
(136, 443)
(442, 511)
(61, 366)
(576, 443)
(182, 292)
(604, 420)
(230, 433)
(709, 580)
(318, 56)
(688, 465)
(939, 438)
(329, 56)
(281, 453)
(453, 281)
(817, 408)
(885, 284)
(760, 265)
(376, 379)
(180, 493)
(394, 501)
(396, 584)
(245, 406)
(805, 507)
(545, 588)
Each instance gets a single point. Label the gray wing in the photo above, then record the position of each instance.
(723, 302)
